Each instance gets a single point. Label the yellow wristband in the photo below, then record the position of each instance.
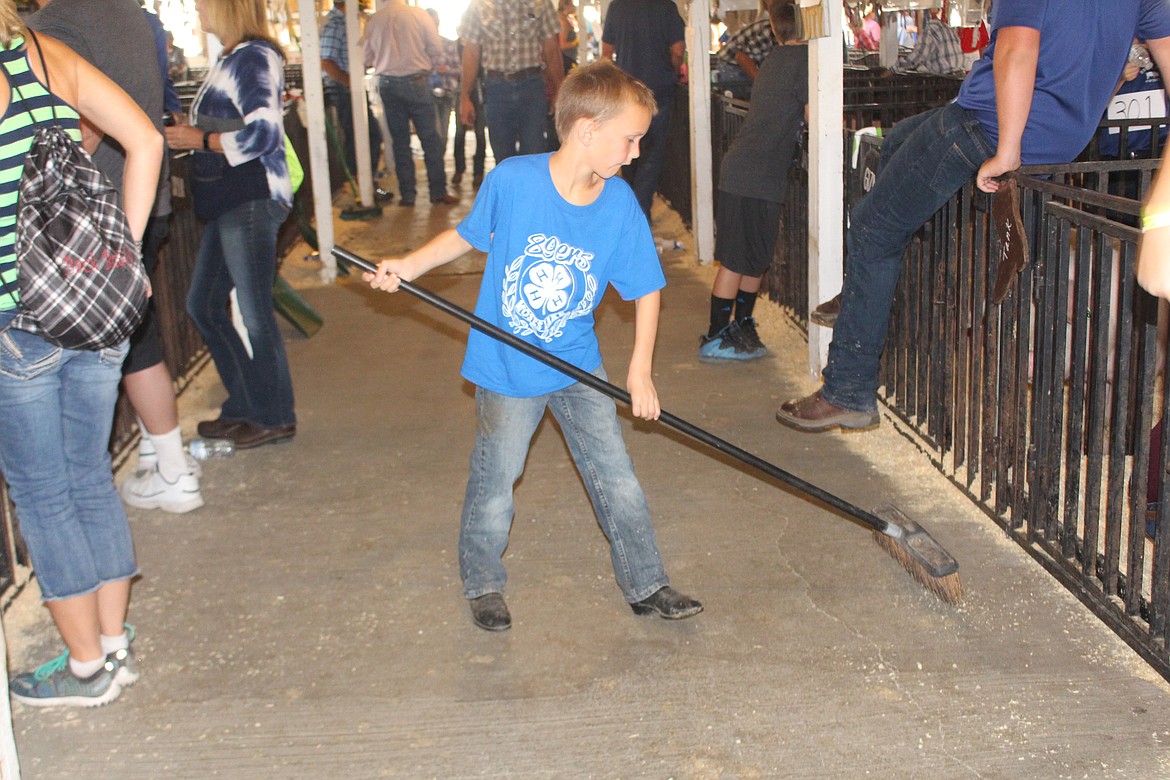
(1155, 221)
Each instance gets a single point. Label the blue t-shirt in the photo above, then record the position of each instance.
(548, 265)
(1083, 49)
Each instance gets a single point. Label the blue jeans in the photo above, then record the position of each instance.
(589, 423)
(515, 113)
(238, 250)
(407, 100)
(58, 408)
(643, 173)
(338, 98)
(480, 153)
(925, 160)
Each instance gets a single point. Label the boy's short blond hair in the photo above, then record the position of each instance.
(599, 91)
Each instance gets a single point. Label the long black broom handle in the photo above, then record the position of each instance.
(615, 392)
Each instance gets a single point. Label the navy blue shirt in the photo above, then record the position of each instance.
(642, 32)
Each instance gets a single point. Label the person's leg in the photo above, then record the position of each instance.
(588, 420)
(727, 283)
(723, 292)
(743, 255)
(504, 430)
(113, 602)
(78, 623)
(145, 376)
(339, 99)
(148, 381)
(152, 394)
(479, 158)
(941, 153)
(421, 106)
(207, 303)
(501, 111)
(443, 106)
(397, 111)
(532, 105)
(54, 438)
(265, 379)
(653, 153)
(460, 144)
(375, 131)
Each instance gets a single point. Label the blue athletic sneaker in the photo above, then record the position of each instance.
(750, 336)
(728, 344)
(55, 685)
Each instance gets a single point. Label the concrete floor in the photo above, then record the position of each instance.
(308, 622)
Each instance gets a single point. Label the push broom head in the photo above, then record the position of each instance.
(920, 554)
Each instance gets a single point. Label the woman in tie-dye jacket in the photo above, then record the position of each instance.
(240, 185)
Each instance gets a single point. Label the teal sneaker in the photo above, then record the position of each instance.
(750, 336)
(125, 664)
(55, 685)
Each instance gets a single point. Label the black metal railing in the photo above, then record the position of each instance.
(1046, 410)
(1042, 409)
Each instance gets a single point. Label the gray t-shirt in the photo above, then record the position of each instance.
(756, 165)
(114, 36)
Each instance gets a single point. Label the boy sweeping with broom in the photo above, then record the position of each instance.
(558, 228)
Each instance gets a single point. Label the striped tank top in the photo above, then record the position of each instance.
(16, 133)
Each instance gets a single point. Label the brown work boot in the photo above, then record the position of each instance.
(825, 315)
(814, 414)
(218, 428)
(490, 612)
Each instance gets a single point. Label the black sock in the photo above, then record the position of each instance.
(745, 302)
(720, 314)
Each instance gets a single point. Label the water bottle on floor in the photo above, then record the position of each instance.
(202, 449)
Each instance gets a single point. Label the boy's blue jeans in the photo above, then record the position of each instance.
(925, 160)
(58, 408)
(589, 423)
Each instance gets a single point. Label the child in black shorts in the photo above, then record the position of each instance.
(752, 187)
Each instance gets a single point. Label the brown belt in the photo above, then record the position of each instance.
(516, 75)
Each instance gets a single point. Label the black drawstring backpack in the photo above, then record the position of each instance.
(79, 272)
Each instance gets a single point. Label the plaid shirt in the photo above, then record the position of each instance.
(755, 40)
(451, 63)
(938, 51)
(333, 42)
(509, 33)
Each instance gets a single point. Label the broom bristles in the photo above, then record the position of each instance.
(948, 587)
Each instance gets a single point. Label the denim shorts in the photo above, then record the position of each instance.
(56, 412)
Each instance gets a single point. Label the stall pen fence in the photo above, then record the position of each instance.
(1042, 409)
(1045, 410)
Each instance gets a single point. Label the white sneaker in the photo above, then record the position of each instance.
(148, 459)
(151, 491)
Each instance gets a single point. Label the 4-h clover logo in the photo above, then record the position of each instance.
(548, 287)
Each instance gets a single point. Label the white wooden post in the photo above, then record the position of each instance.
(357, 99)
(318, 148)
(826, 177)
(699, 81)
